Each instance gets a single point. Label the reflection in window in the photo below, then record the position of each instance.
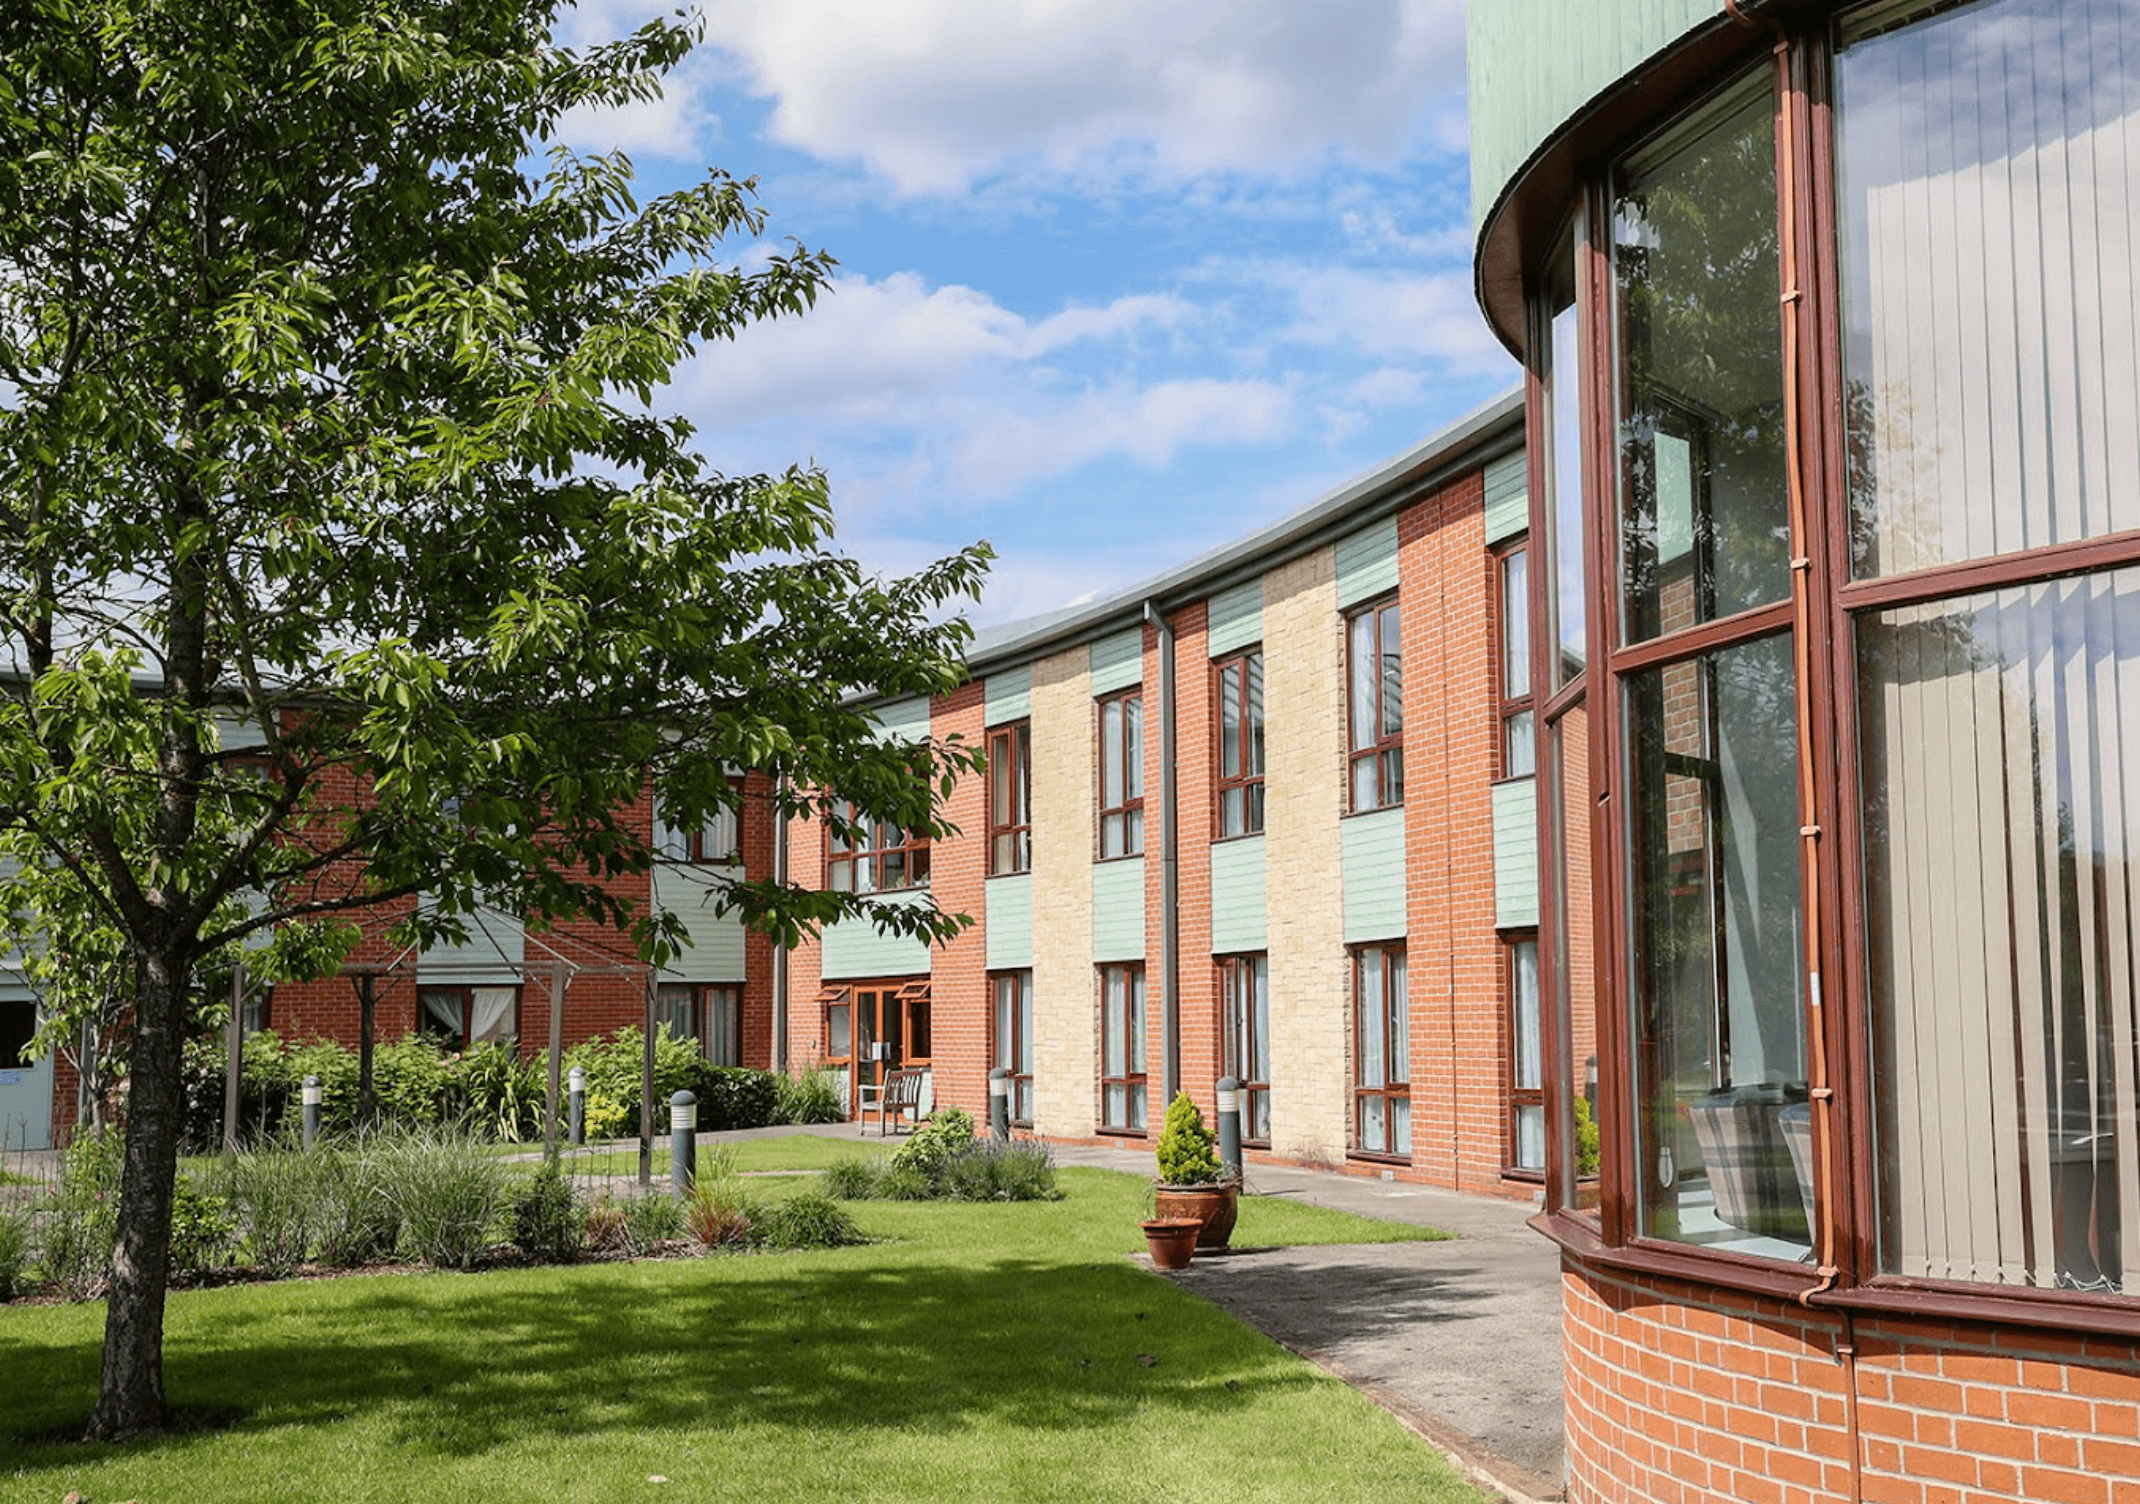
(1122, 775)
(1122, 1087)
(1987, 198)
(1527, 1070)
(1575, 1013)
(1704, 530)
(2001, 823)
(1720, 1031)
(1241, 745)
(1014, 1038)
(1375, 691)
(1561, 385)
(1245, 1038)
(1382, 1052)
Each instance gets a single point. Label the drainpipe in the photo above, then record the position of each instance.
(780, 952)
(1169, 864)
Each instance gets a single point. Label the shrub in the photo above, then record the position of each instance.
(810, 1220)
(81, 1217)
(1000, 1172)
(276, 1188)
(356, 1221)
(852, 1179)
(719, 1214)
(204, 1227)
(1185, 1146)
(491, 1091)
(653, 1218)
(547, 1222)
(811, 1095)
(14, 1252)
(1586, 1138)
(605, 1117)
(605, 1225)
(945, 1134)
(909, 1182)
(446, 1191)
(730, 1097)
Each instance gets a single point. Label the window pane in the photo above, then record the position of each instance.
(1561, 381)
(1519, 740)
(1006, 1024)
(1230, 722)
(1136, 1022)
(836, 1032)
(1113, 1049)
(1255, 809)
(1392, 673)
(1371, 1126)
(894, 866)
(1575, 1014)
(1998, 737)
(1371, 1028)
(1400, 1125)
(490, 1013)
(672, 1006)
(1111, 755)
(1000, 807)
(1136, 1106)
(1400, 1023)
(1260, 970)
(1110, 835)
(918, 1040)
(1366, 782)
(1233, 812)
(1116, 1107)
(1523, 965)
(1393, 776)
(1989, 208)
(1515, 627)
(1704, 531)
(1530, 1138)
(442, 1015)
(1133, 739)
(1025, 1023)
(1364, 669)
(1135, 833)
(1255, 715)
(1719, 1022)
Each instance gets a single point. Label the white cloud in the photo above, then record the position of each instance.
(933, 94)
(1394, 313)
(678, 124)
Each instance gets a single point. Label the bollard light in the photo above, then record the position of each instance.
(683, 1142)
(999, 1103)
(576, 1101)
(310, 1096)
(1229, 1095)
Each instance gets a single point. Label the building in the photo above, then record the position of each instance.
(1833, 342)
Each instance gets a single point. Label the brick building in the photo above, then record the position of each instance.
(1832, 339)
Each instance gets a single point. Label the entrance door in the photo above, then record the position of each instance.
(890, 1029)
(25, 1085)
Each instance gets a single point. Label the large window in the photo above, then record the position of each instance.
(458, 1017)
(1519, 733)
(1381, 1053)
(876, 858)
(1245, 1039)
(1013, 992)
(1526, 1060)
(1240, 707)
(1122, 775)
(1010, 799)
(708, 1015)
(1375, 694)
(1122, 1096)
(717, 841)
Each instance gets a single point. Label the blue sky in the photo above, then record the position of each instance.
(1120, 279)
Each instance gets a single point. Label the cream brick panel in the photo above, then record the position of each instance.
(1303, 708)
(1065, 1067)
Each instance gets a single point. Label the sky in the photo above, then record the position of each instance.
(1119, 280)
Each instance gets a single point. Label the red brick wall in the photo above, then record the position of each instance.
(1193, 755)
(959, 1004)
(806, 1020)
(755, 830)
(1678, 1394)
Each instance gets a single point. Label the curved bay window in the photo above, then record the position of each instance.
(1834, 385)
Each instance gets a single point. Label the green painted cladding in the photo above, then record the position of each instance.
(1239, 919)
(693, 892)
(1009, 695)
(1508, 497)
(1535, 63)
(492, 956)
(1235, 618)
(1374, 876)
(855, 949)
(1008, 905)
(1118, 661)
(1118, 910)
(903, 720)
(1516, 853)
(1367, 563)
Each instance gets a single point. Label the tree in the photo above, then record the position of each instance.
(343, 555)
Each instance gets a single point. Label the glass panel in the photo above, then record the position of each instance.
(1400, 1125)
(1530, 1138)
(1529, 1074)
(840, 877)
(1519, 745)
(1515, 626)
(1003, 854)
(1255, 716)
(1233, 812)
(1111, 835)
(1117, 1107)
(1364, 669)
(1260, 1024)
(1365, 785)
(726, 1047)
(1133, 738)
(894, 864)
(1998, 734)
(1704, 510)
(1371, 1029)
(918, 1029)
(1255, 806)
(1719, 1024)
(672, 1006)
(1575, 1015)
(1393, 776)
(1392, 673)
(999, 783)
(1988, 203)
(1025, 1023)
(1400, 1023)
(1371, 1126)
(1561, 380)
(836, 1032)
(1114, 1045)
(1111, 755)
(1022, 1101)
(1230, 721)
(442, 1015)
(1136, 1022)
(1136, 1106)
(1258, 1126)
(1006, 1000)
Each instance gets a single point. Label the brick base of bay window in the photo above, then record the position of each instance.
(1679, 1393)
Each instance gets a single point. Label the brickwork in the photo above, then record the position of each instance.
(1304, 719)
(1193, 771)
(959, 1004)
(1456, 971)
(1678, 1394)
(806, 1015)
(1065, 1053)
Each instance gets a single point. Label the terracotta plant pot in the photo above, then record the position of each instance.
(1213, 1205)
(1172, 1241)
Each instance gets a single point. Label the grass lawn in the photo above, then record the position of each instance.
(978, 1352)
(788, 1151)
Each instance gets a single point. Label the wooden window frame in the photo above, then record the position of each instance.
(1249, 785)
(1387, 745)
(1131, 809)
(1387, 952)
(1006, 830)
(466, 992)
(702, 999)
(872, 857)
(1512, 706)
(1519, 1097)
(1004, 1054)
(1235, 1058)
(1133, 1083)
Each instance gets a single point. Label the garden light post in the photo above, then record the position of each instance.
(999, 1103)
(1230, 1125)
(577, 1096)
(683, 1142)
(311, 1100)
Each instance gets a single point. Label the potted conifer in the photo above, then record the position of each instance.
(1192, 1181)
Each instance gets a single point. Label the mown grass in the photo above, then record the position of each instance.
(788, 1151)
(998, 1351)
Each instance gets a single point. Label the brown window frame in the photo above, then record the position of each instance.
(1507, 609)
(1517, 1096)
(873, 856)
(1387, 748)
(1134, 1084)
(1249, 785)
(1010, 840)
(1391, 956)
(1018, 1048)
(1131, 810)
(1238, 1047)
(701, 999)
(466, 992)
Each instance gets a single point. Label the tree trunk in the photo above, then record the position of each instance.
(130, 1398)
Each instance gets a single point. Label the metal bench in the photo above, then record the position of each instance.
(899, 1094)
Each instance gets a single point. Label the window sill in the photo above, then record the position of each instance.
(1106, 1132)
(1127, 856)
(1246, 835)
(1371, 1157)
(1380, 809)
